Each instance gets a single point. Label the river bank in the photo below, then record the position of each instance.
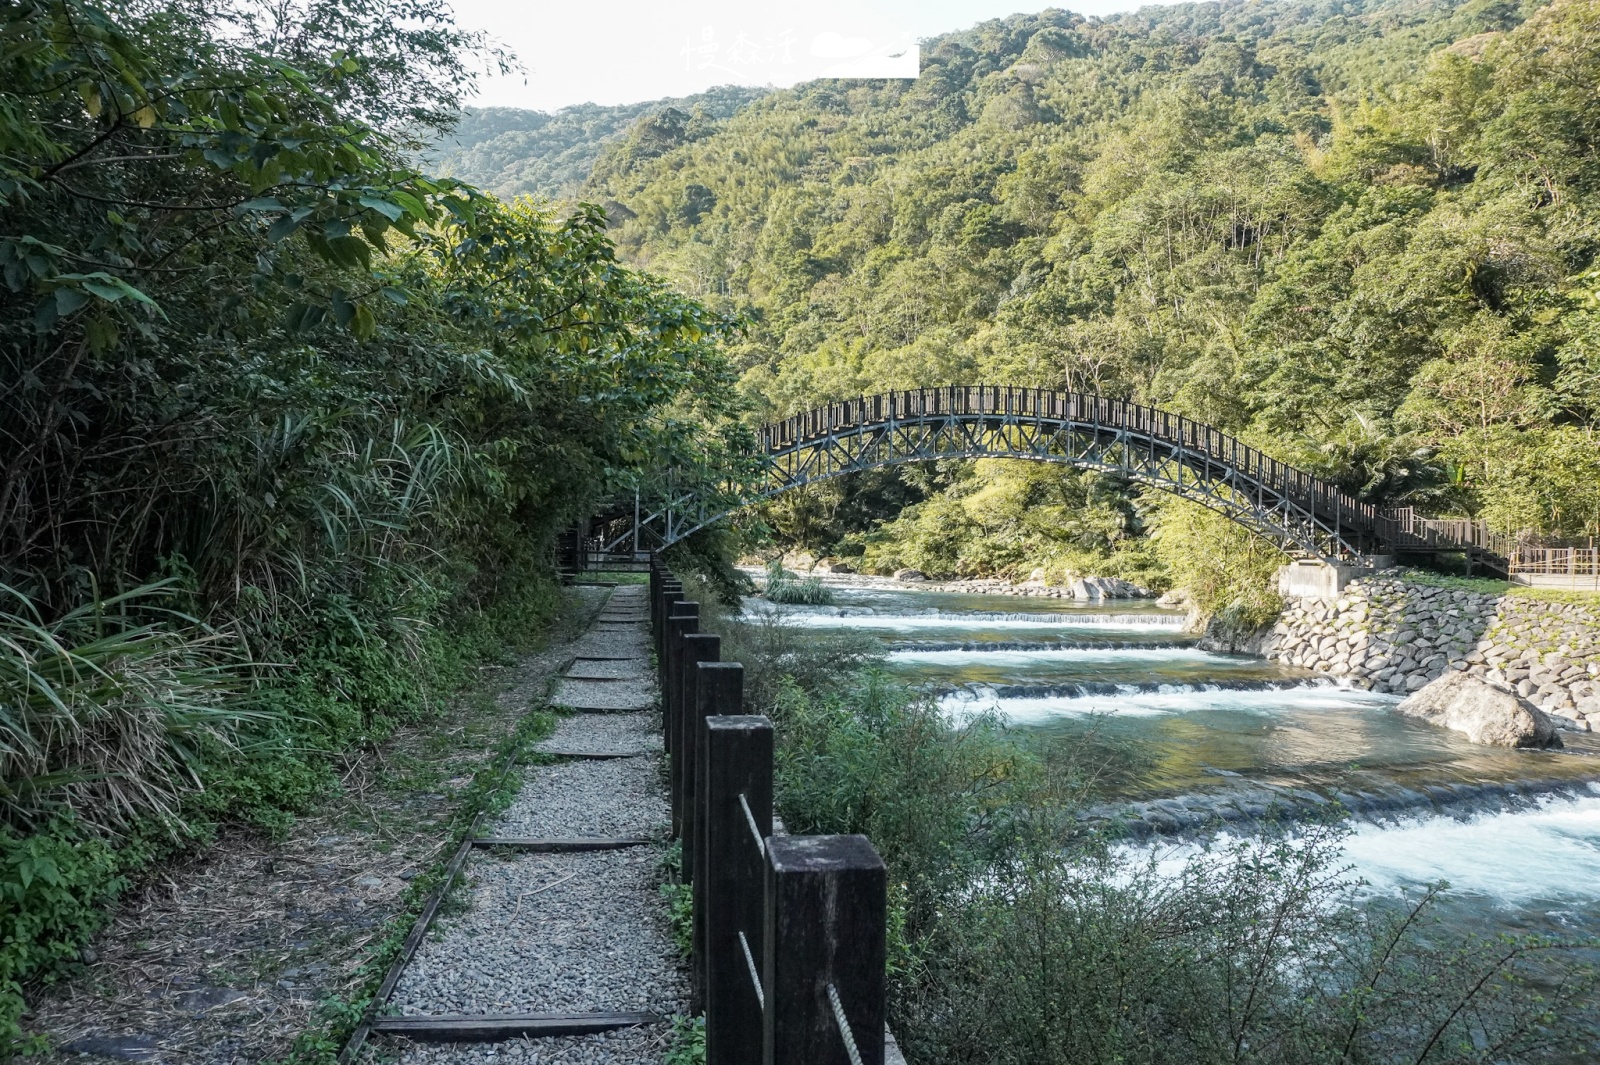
(1395, 635)
(1189, 745)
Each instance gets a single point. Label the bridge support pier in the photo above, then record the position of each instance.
(1315, 579)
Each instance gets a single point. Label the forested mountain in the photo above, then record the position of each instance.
(1360, 235)
(515, 152)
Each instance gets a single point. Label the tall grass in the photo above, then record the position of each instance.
(107, 715)
(783, 586)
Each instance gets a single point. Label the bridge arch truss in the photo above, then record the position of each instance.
(1304, 515)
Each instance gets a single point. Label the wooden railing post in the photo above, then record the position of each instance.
(824, 968)
(684, 619)
(698, 648)
(654, 594)
(671, 593)
(735, 806)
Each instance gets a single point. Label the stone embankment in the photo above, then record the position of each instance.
(1395, 635)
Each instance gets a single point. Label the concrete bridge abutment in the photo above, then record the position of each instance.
(1314, 579)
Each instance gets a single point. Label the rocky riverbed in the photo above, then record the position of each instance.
(1395, 635)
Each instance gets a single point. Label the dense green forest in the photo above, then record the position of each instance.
(1360, 235)
(286, 427)
(514, 152)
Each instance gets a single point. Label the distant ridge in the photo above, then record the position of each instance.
(511, 151)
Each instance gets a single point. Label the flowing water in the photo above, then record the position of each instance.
(1211, 739)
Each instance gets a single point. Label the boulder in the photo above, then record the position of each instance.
(1483, 713)
(910, 575)
(1088, 588)
(839, 567)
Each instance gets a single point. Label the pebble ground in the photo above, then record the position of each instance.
(547, 933)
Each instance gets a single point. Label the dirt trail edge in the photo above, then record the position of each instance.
(223, 961)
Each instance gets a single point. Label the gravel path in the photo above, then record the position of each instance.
(547, 933)
(615, 797)
(551, 933)
(608, 733)
(632, 637)
(633, 669)
(605, 695)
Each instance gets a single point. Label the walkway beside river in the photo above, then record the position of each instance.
(539, 928)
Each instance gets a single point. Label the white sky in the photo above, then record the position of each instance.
(624, 51)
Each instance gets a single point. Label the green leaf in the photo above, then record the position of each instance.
(342, 309)
(366, 324)
(107, 287)
(288, 224)
(393, 212)
(69, 300)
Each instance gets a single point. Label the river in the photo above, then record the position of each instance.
(1225, 738)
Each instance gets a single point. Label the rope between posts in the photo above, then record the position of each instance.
(755, 981)
(750, 819)
(844, 1026)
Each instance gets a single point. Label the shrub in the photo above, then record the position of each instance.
(785, 587)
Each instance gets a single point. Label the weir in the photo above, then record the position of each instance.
(1208, 746)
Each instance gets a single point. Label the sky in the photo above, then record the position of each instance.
(626, 51)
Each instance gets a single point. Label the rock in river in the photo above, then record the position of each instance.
(1484, 713)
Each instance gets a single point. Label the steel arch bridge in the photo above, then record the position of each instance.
(1304, 515)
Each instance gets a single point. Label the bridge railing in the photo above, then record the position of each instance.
(1579, 565)
(1251, 471)
(1101, 413)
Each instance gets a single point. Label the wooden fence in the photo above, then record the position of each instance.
(1580, 566)
(789, 934)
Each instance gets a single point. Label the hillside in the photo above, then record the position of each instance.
(1360, 235)
(514, 152)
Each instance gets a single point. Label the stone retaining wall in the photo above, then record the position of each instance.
(1394, 635)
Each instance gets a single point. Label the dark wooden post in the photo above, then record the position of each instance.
(719, 689)
(671, 592)
(684, 619)
(730, 921)
(825, 950)
(719, 692)
(654, 592)
(698, 647)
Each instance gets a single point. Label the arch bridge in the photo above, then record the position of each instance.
(1304, 515)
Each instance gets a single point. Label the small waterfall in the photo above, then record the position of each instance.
(905, 648)
(1091, 689)
(1382, 806)
(868, 618)
(1084, 620)
(1035, 704)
